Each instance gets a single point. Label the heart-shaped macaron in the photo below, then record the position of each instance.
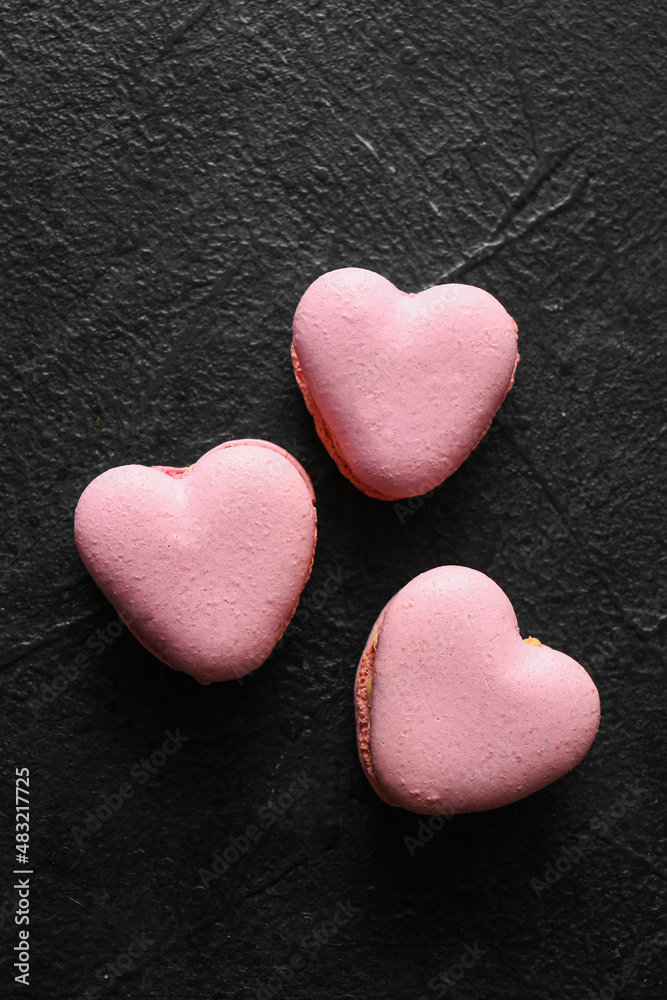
(455, 712)
(401, 387)
(206, 564)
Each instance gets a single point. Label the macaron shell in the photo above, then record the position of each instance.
(205, 564)
(464, 714)
(326, 436)
(405, 385)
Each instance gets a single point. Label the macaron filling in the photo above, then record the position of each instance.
(363, 698)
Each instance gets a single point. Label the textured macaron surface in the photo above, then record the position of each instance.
(402, 386)
(206, 564)
(465, 715)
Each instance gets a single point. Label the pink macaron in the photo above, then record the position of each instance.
(205, 564)
(455, 712)
(401, 387)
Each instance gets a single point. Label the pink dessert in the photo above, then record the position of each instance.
(206, 564)
(401, 387)
(455, 712)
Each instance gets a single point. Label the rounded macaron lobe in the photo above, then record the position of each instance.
(401, 387)
(455, 712)
(205, 564)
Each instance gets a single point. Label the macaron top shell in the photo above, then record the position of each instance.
(464, 715)
(205, 564)
(402, 386)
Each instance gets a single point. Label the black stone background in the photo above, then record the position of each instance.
(174, 175)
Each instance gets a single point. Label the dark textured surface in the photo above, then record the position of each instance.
(173, 177)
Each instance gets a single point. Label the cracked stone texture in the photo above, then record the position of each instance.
(174, 175)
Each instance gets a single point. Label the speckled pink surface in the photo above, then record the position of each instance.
(205, 565)
(402, 387)
(465, 715)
